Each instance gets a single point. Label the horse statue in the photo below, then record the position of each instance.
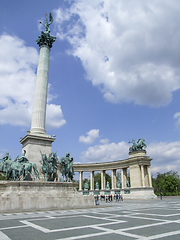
(67, 169)
(49, 166)
(29, 168)
(137, 146)
(12, 169)
(44, 166)
(20, 166)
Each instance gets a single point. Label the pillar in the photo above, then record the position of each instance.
(113, 178)
(142, 176)
(149, 176)
(80, 180)
(92, 180)
(36, 140)
(103, 179)
(40, 95)
(123, 177)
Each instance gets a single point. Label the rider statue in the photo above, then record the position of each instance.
(6, 157)
(23, 158)
(67, 169)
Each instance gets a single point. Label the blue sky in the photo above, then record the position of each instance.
(114, 76)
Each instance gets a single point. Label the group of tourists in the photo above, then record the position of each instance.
(108, 198)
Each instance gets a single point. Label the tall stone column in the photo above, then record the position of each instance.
(37, 140)
(40, 96)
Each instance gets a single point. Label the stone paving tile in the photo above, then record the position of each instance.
(143, 220)
(156, 230)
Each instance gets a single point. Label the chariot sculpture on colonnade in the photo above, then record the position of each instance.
(137, 146)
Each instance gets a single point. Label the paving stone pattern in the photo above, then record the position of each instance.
(150, 219)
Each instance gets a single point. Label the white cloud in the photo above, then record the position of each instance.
(129, 49)
(106, 152)
(166, 156)
(17, 80)
(54, 116)
(91, 136)
(104, 141)
(177, 116)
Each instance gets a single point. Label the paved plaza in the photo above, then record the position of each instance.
(150, 219)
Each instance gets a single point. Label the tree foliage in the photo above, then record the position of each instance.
(167, 183)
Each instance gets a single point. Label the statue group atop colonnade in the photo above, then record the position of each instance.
(137, 146)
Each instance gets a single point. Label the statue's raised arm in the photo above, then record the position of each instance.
(46, 25)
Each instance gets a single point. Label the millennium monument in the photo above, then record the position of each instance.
(135, 172)
(36, 145)
(37, 139)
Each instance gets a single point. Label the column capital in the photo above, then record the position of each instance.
(45, 39)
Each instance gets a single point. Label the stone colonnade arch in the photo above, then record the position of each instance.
(140, 176)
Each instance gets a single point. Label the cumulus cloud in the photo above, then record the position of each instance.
(104, 141)
(165, 155)
(130, 50)
(92, 135)
(18, 64)
(105, 153)
(177, 116)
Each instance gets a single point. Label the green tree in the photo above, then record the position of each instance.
(168, 183)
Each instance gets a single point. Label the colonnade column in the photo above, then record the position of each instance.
(123, 177)
(113, 178)
(142, 176)
(103, 179)
(149, 176)
(92, 180)
(80, 180)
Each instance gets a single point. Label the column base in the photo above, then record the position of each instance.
(34, 144)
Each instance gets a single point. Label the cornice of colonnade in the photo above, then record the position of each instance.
(139, 157)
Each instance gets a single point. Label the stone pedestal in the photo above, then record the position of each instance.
(34, 144)
(24, 195)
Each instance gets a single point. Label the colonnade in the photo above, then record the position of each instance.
(139, 171)
(145, 180)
